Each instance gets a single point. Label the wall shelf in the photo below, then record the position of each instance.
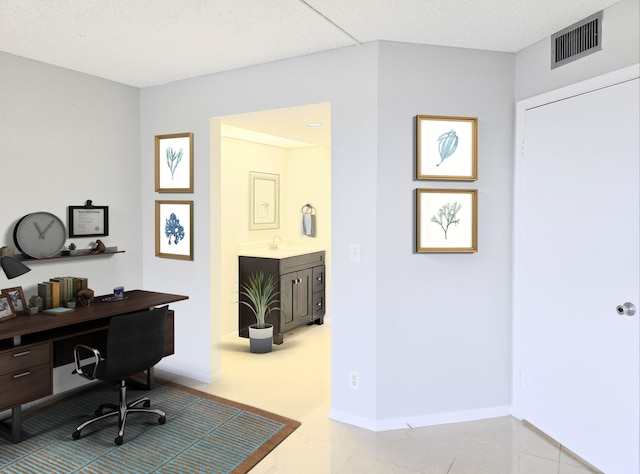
(66, 254)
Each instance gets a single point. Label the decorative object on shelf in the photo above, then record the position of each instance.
(174, 163)
(446, 220)
(16, 298)
(12, 268)
(36, 304)
(6, 309)
(265, 201)
(262, 298)
(88, 220)
(174, 229)
(99, 248)
(39, 235)
(308, 220)
(85, 297)
(447, 148)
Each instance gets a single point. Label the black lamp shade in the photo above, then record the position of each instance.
(13, 268)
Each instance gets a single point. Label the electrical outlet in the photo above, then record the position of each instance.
(354, 380)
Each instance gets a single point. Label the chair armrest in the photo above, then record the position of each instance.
(88, 352)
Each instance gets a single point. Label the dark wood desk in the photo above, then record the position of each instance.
(32, 345)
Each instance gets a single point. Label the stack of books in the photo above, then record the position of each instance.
(58, 291)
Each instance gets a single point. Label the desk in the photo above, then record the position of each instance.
(32, 345)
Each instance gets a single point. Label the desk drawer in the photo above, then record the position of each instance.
(22, 357)
(25, 385)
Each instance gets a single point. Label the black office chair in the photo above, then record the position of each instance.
(135, 342)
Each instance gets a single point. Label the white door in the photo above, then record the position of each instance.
(577, 258)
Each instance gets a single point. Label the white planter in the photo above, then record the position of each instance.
(260, 340)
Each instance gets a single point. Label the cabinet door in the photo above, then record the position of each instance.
(303, 298)
(287, 294)
(296, 299)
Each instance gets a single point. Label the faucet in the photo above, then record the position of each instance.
(275, 242)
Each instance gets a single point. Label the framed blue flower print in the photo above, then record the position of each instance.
(174, 229)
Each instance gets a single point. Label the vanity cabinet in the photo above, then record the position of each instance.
(301, 284)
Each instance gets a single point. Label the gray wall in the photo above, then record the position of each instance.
(443, 319)
(66, 137)
(381, 305)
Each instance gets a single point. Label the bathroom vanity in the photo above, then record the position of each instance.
(301, 283)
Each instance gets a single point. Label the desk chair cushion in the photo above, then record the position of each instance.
(135, 342)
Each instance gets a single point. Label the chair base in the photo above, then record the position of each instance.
(122, 411)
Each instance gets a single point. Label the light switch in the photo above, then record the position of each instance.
(354, 253)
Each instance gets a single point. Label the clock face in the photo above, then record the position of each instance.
(39, 235)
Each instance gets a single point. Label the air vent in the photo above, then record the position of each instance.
(577, 41)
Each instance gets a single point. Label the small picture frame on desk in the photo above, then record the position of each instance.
(6, 308)
(16, 299)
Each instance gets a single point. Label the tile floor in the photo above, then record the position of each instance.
(294, 381)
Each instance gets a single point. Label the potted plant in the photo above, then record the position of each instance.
(261, 297)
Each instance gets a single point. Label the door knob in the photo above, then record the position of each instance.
(627, 309)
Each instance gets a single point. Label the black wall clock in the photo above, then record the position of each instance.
(39, 235)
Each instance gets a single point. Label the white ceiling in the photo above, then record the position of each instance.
(151, 42)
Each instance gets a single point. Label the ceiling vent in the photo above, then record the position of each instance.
(577, 41)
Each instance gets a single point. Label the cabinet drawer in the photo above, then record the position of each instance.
(300, 262)
(318, 304)
(22, 357)
(318, 278)
(26, 385)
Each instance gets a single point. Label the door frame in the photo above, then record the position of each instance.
(583, 87)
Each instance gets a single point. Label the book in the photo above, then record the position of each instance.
(56, 293)
(58, 310)
(44, 292)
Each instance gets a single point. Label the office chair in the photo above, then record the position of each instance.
(135, 342)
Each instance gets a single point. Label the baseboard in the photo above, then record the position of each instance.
(180, 370)
(421, 420)
(350, 419)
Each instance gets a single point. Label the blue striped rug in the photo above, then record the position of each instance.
(203, 434)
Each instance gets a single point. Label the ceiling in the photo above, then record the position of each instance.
(152, 42)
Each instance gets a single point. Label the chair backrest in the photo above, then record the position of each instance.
(135, 342)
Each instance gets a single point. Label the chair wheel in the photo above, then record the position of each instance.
(76, 434)
(162, 420)
(119, 440)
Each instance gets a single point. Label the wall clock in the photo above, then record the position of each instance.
(39, 235)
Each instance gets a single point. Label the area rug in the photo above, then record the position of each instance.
(203, 434)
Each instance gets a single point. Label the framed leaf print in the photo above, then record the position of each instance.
(447, 148)
(174, 163)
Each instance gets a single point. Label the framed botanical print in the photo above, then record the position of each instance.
(446, 220)
(265, 201)
(174, 229)
(447, 148)
(174, 163)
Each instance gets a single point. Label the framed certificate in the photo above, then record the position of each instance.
(88, 220)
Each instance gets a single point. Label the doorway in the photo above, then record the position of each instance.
(295, 144)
